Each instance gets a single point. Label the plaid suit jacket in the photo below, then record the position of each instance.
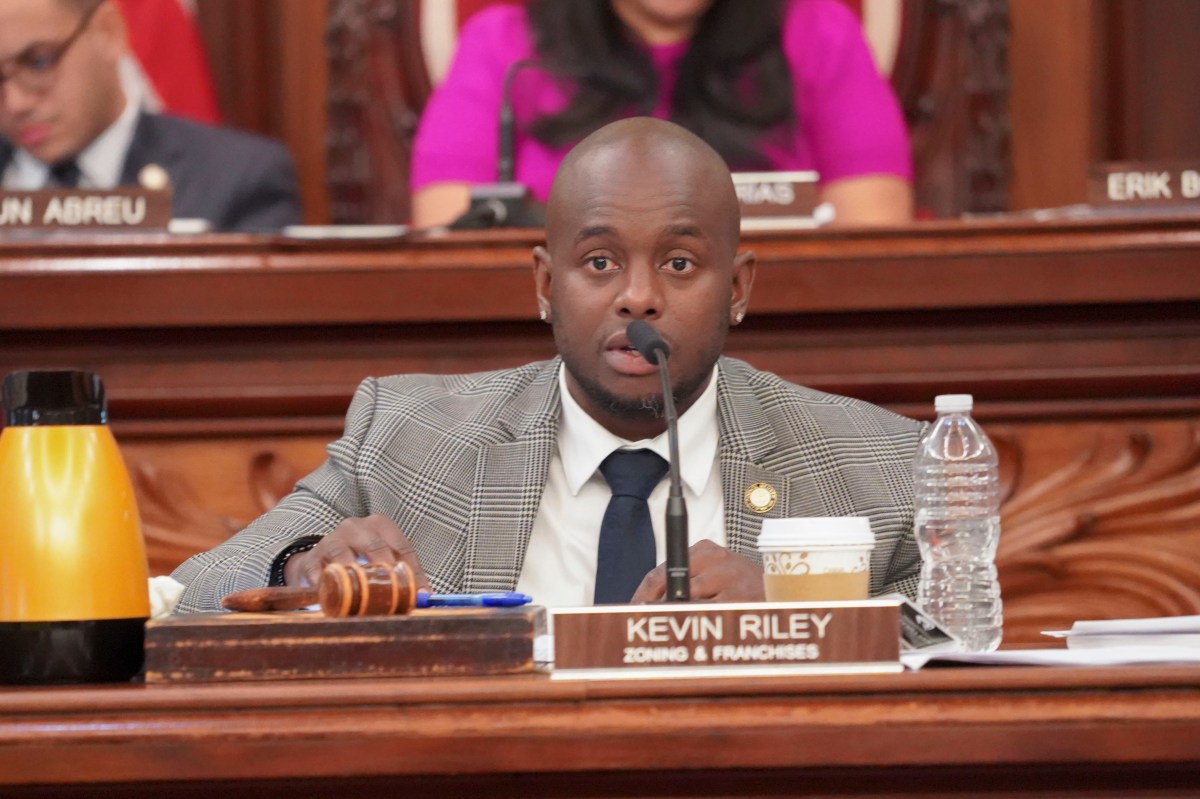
(459, 463)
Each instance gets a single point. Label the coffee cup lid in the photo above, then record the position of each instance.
(816, 531)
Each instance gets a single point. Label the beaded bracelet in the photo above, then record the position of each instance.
(295, 548)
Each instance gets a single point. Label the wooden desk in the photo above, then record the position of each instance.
(230, 362)
(1041, 320)
(998, 732)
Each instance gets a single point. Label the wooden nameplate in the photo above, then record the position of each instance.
(125, 208)
(1144, 183)
(777, 200)
(223, 647)
(727, 639)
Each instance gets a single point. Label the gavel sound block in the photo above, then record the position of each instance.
(345, 589)
(368, 628)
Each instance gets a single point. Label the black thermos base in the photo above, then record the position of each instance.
(103, 650)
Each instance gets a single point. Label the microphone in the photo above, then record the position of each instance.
(506, 145)
(504, 203)
(645, 340)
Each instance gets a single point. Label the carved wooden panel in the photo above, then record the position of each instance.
(377, 88)
(952, 79)
(194, 494)
(1100, 520)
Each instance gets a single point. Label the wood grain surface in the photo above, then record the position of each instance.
(223, 647)
(948, 732)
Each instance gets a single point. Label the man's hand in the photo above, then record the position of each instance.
(717, 574)
(376, 539)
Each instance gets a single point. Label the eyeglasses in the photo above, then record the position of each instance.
(33, 68)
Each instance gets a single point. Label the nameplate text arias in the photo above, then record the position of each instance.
(775, 194)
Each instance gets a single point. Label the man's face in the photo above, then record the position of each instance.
(640, 236)
(82, 95)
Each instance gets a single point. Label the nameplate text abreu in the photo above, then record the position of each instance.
(86, 209)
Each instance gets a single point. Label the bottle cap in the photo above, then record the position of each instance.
(953, 403)
(54, 398)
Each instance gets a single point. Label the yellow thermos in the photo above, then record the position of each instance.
(73, 593)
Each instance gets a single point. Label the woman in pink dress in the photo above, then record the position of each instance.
(770, 84)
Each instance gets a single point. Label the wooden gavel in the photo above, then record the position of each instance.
(345, 589)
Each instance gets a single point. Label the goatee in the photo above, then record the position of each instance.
(648, 407)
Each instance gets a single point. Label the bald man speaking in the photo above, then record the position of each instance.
(504, 480)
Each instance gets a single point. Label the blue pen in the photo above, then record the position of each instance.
(503, 599)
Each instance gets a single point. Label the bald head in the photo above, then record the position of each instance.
(626, 155)
(642, 224)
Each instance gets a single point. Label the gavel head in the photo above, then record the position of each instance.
(372, 589)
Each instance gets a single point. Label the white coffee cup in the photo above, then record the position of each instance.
(816, 559)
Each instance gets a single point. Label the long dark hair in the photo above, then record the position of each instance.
(734, 83)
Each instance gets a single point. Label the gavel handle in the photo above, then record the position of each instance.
(261, 600)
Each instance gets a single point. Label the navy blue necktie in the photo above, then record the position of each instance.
(626, 550)
(65, 173)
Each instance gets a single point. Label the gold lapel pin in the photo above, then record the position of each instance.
(153, 177)
(760, 497)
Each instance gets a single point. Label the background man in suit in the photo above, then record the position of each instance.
(497, 480)
(65, 121)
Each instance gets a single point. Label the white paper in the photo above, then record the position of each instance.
(1155, 626)
(1184, 640)
(165, 593)
(344, 231)
(1166, 631)
(1106, 656)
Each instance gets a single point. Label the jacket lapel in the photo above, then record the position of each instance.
(510, 476)
(147, 147)
(748, 474)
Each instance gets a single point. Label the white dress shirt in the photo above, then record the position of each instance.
(100, 163)
(560, 564)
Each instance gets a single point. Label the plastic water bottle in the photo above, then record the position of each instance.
(957, 496)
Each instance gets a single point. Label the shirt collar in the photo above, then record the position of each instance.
(583, 443)
(102, 160)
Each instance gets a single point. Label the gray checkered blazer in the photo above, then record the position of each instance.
(459, 463)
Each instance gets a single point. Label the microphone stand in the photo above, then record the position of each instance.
(647, 341)
(678, 575)
(505, 203)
